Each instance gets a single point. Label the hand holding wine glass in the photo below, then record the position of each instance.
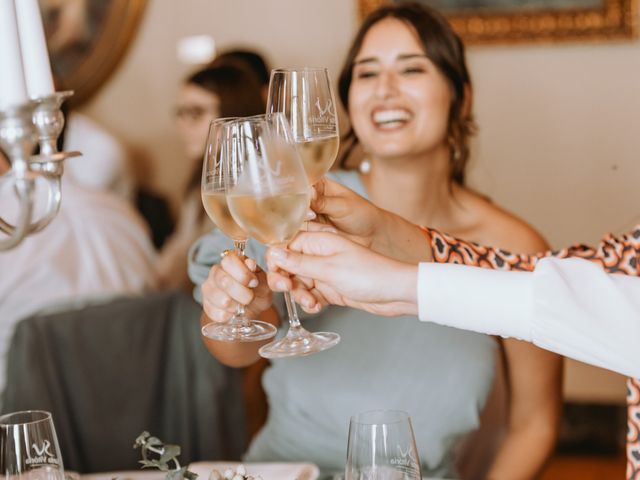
(269, 201)
(230, 281)
(305, 96)
(327, 268)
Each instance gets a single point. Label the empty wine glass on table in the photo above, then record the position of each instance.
(29, 447)
(268, 198)
(382, 447)
(219, 169)
(305, 96)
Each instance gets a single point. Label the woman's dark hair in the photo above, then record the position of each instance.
(239, 94)
(250, 59)
(445, 49)
(237, 89)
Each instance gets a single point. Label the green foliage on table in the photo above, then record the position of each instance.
(156, 454)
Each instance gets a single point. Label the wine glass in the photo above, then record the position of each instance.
(29, 447)
(216, 164)
(382, 447)
(268, 198)
(305, 96)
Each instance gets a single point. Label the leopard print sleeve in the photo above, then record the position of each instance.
(615, 254)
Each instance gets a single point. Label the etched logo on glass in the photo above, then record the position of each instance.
(325, 114)
(43, 455)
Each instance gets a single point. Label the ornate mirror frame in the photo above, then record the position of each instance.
(107, 28)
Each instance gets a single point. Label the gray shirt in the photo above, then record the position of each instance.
(440, 376)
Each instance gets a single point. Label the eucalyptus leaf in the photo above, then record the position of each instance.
(177, 474)
(163, 457)
(189, 475)
(170, 451)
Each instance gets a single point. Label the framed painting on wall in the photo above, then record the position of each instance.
(514, 21)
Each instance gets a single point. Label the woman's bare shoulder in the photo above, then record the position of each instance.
(497, 227)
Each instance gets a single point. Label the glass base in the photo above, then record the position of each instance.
(253, 331)
(300, 345)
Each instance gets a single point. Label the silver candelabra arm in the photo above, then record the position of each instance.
(24, 190)
(41, 121)
(17, 139)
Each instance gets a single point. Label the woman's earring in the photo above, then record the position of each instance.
(456, 154)
(365, 166)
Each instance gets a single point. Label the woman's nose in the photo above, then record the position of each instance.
(387, 84)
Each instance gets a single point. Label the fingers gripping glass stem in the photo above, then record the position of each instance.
(219, 170)
(268, 200)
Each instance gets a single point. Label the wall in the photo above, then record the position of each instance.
(559, 123)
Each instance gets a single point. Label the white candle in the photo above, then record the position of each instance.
(12, 85)
(35, 57)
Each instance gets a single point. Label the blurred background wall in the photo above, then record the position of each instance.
(559, 139)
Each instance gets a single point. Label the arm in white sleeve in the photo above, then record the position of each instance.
(570, 306)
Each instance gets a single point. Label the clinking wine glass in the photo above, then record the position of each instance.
(29, 447)
(382, 447)
(269, 198)
(218, 161)
(306, 98)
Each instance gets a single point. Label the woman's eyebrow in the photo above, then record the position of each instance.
(402, 56)
(409, 56)
(365, 60)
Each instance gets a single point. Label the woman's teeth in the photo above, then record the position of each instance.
(390, 118)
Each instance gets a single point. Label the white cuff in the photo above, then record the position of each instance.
(477, 299)
(584, 313)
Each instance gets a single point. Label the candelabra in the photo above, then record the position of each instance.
(39, 121)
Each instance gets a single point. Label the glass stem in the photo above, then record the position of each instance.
(294, 321)
(239, 246)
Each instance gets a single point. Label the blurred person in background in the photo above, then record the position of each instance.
(406, 88)
(105, 163)
(249, 59)
(96, 248)
(214, 92)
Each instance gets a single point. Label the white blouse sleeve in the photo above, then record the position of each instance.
(569, 306)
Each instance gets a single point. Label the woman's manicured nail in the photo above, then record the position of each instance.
(253, 283)
(251, 264)
(278, 254)
(281, 285)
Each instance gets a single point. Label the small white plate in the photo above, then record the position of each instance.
(266, 470)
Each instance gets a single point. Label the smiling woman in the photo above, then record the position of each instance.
(87, 39)
(407, 91)
(511, 21)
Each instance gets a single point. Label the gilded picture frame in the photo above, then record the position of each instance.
(87, 40)
(520, 21)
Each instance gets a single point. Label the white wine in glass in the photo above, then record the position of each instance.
(269, 201)
(318, 154)
(215, 204)
(217, 173)
(272, 220)
(306, 98)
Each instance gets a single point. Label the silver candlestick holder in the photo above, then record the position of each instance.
(21, 127)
